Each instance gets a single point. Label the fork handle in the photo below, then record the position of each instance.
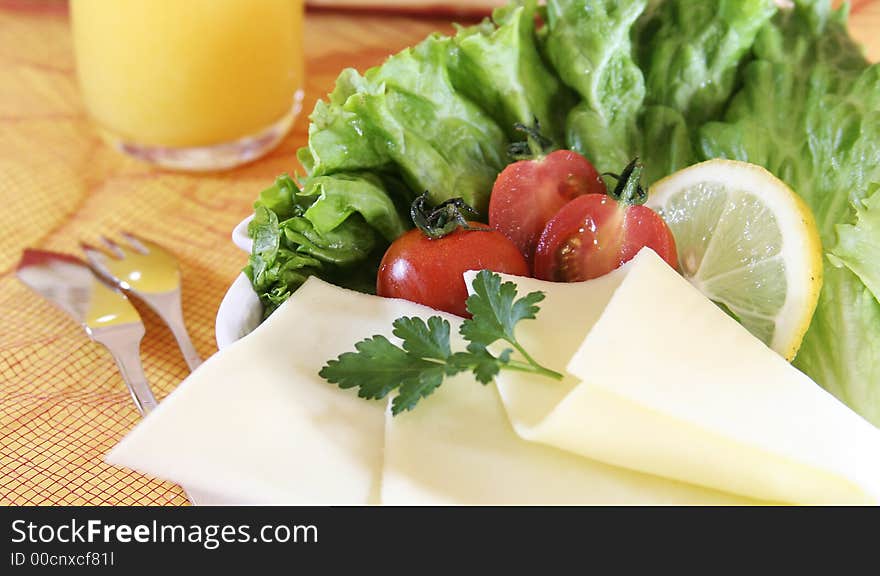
(124, 344)
(193, 360)
(129, 363)
(168, 307)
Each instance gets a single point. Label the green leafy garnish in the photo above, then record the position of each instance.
(425, 359)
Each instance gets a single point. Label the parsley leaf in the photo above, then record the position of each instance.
(377, 368)
(414, 389)
(495, 311)
(425, 359)
(483, 365)
(426, 341)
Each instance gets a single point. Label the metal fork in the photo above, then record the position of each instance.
(151, 273)
(104, 313)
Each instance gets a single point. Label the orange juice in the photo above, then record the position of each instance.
(188, 73)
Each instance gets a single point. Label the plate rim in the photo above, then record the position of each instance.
(240, 310)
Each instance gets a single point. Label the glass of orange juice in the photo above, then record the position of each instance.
(190, 84)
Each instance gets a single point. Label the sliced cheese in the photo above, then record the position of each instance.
(457, 448)
(255, 424)
(664, 382)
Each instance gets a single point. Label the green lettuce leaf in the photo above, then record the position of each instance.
(350, 242)
(336, 228)
(339, 139)
(666, 143)
(499, 67)
(291, 251)
(690, 50)
(279, 198)
(858, 246)
(842, 348)
(588, 43)
(855, 281)
(809, 111)
(335, 198)
(377, 142)
(440, 141)
(273, 271)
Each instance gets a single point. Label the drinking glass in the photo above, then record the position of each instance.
(190, 84)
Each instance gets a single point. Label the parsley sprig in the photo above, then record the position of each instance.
(416, 369)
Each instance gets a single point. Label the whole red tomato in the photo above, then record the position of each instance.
(597, 233)
(426, 264)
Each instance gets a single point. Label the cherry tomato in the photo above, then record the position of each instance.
(528, 193)
(597, 233)
(429, 271)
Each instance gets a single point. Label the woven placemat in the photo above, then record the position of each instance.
(62, 401)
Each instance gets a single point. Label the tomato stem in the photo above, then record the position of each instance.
(443, 220)
(536, 145)
(629, 189)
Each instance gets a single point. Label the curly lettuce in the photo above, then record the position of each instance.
(589, 45)
(337, 227)
(504, 80)
(648, 74)
(858, 247)
(690, 52)
(438, 140)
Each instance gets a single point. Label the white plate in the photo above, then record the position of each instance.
(240, 311)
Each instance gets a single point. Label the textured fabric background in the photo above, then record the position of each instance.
(62, 401)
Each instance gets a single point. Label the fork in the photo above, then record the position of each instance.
(152, 274)
(104, 313)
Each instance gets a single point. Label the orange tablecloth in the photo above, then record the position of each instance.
(62, 402)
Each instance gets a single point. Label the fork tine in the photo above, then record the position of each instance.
(94, 255)
(97, 259)
(136, 257)
(113, 247)
(135, 242)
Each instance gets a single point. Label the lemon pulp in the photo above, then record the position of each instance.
(749, 243)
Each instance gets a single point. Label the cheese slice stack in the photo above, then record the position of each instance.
(256, 424)
(660, 380)
(457, 448)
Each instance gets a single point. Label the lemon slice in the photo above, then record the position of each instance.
(748, 243)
